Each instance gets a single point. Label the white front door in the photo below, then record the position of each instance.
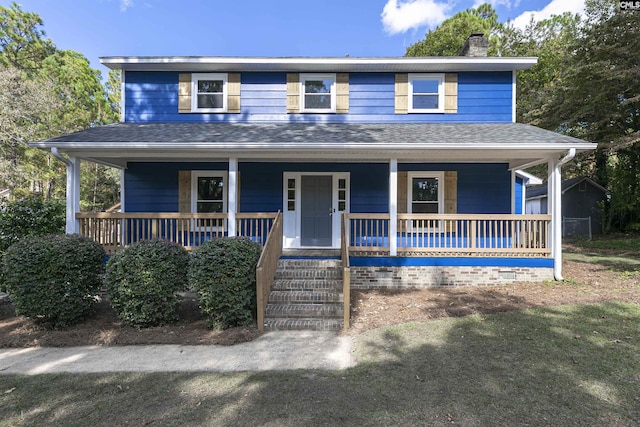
(313, 205)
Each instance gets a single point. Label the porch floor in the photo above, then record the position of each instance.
(311, 253)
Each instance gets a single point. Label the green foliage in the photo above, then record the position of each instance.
(449, 37)
(28, 217)
(223, 273)
(143, 281)
(54, 279)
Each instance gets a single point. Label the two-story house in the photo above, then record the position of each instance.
(407, 164)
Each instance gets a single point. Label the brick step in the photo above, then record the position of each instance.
(302, 324)
(314, 311)
(309, 273)
(309, 263)
(315, 297)
(307, 284)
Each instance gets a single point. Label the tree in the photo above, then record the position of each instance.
(449, 37)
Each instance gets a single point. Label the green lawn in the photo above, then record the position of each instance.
(568, 365)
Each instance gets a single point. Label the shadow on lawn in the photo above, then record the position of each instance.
(561, 366)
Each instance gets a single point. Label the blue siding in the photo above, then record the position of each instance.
(482, 97)
(519, 191)
(153, 187)
(449, 262)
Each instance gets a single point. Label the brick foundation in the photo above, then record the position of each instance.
(424, 277)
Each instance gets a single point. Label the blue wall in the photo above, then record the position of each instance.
(519, 194)
(482, 97)
(153, 187)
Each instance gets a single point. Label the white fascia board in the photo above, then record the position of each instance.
(529, 178)
(380, 64)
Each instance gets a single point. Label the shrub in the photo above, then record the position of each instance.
(54, 279)
(223, 273)
(143, 281)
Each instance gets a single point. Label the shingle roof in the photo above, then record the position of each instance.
(469, 133)
(542, 190)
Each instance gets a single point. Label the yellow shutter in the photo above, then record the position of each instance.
(233, 93)
(293, 93)
(450, 93)
(342, 93)
(402, 94)
(402, 191)
(184, 93)
(184, 191)
(450, 192)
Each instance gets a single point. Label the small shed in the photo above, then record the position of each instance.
(581, 200)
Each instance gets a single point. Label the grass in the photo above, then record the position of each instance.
(616, 243)
(568, 365)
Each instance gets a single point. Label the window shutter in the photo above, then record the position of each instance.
(450, 93)
(293, 93)
(342, 93)
(184, 191)
(402, 94)
(450, 192)
(402, 191)
(233, 93)
(184, 93)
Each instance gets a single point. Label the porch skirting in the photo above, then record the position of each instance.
(407, 277)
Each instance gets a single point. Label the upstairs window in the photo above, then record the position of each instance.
(426, 93)
(209, 93)
(318, 93)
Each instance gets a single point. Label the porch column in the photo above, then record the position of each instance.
(393, 207)
(232, 194)
(554, 208)
(73, 195)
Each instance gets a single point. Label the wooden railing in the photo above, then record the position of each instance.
(117, 230)
(346, 271)
(452, 235)
(266, 269)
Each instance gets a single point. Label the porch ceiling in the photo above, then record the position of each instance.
(517, 144)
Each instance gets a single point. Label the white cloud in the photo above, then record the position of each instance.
(125, 4)
(399, 16)
(555, 7)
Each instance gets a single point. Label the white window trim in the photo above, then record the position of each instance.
(194, 187)
(195, 77)
(304, 78)
(427, 174)
(427, 76)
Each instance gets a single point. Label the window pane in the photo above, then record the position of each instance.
(292, 194)
(342, 183)
(209, 207)
(210, 188)
(291, 205)
(210, 101)
(317, 86)
(424, 102)
(291, 183)
(317, 101)
(342, 194)
(424, 208)
(425, 189)
(342, 206)
(210, 86)
(425, 86)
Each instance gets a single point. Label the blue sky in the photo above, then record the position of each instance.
(258, 27)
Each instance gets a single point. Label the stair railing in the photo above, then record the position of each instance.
(266, 268)
(346, 270)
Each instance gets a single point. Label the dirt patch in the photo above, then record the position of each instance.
(587, 281)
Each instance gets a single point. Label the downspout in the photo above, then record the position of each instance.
(557, 213)
(70, 227)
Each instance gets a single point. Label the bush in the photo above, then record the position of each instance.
(143, 281)
(54, 279)
(223, 273)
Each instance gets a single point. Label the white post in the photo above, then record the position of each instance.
(554, 205)
(393, 207)
(232, 196)
(73, 195)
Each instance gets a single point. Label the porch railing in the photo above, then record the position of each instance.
(452, 235)
(346, 272)
(117, 230)
(266, 269)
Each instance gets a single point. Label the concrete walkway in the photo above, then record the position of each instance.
(280, 350)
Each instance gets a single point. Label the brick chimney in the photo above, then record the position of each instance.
(476, 45)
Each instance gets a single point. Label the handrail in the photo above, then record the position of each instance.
(346, 271)
(266, 268)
